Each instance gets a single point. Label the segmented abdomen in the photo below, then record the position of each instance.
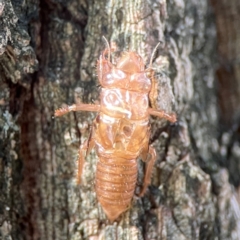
(115, 184)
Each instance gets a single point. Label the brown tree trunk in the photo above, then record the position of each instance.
(49, 51)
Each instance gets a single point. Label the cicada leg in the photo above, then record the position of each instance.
(77, 107)
(148, 171)
(81, 160)
(160, 113)
(84, 150)
(86, 147)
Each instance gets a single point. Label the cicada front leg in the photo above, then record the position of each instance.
(77, 107)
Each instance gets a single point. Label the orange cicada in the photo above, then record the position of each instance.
(120, 132)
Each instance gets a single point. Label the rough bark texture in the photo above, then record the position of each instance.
(48, 56)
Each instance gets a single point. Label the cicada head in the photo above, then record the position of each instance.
(130, 62)
(128, 73)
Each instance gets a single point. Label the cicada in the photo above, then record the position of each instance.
(121, 130)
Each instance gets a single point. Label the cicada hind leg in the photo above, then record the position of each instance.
(84, 150)
(149, 160)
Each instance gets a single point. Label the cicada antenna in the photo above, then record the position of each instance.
(154, 51)
(108, 46)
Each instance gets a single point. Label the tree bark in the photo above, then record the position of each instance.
(49, 50)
